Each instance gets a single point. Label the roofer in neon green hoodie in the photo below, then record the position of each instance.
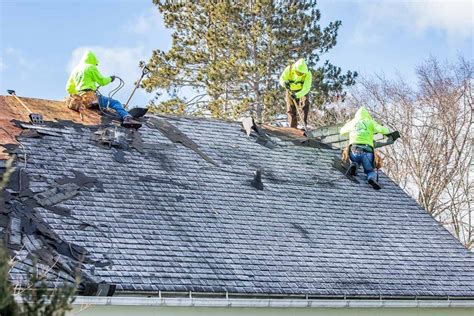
(82, 87)
(297, 80)
(361, 130)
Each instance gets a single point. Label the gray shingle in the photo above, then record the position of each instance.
(169, 220)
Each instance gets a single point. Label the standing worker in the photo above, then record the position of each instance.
(82, 87)
(361, 130)
(296, 79)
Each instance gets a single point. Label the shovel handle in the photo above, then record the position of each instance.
(298, 110)
(21, 102)
(145, 71)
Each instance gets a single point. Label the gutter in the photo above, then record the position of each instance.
(268, 303)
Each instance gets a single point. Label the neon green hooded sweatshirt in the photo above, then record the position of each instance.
(299, 83)
(86, 75)
(362, 127)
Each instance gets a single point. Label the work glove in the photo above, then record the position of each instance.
(287, 85)
(112, 78)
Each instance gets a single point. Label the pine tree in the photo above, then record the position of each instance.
(7, 303)
(231, 53)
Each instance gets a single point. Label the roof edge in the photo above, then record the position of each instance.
(270, 303)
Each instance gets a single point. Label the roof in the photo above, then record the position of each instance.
(10, 109)
(176, 207)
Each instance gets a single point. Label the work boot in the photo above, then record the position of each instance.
(374, 184)
(129, 122)
(352, 170)
(138, 112)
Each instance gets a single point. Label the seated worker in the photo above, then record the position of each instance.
(82, 87)
(296, 79)
(361, 130)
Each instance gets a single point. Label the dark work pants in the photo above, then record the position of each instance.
(303, 104)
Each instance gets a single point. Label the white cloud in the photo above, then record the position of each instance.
(13, 58)
(117, 61)
(150, 21)
(17, 56)
(454, 17)
(148, 29)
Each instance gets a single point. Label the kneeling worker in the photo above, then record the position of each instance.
(361, 130)
(296, 79)
(82, 87)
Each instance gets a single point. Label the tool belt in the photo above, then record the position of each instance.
(378, 160)
(83, 100)
(360, 149)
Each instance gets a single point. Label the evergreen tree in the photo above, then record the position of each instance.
(231, 53)
(7, 303)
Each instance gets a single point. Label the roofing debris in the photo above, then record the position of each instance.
(144, 229)
(57, 194)
(20, 218)
(254, 130)
(119, 155)
(41, 130)
(51, 111)
(120, 139)
(257, 180)
(176, 136)
(112, 136)
(342, 166)
(79, 179)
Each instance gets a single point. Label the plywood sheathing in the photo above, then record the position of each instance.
(11, 109)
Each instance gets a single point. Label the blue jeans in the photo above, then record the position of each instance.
(113, 104)
(367, 161)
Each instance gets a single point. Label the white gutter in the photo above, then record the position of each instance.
(269, 303)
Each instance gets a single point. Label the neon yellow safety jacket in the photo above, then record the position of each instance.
(300, 84)
(362, 127)
(86, 75)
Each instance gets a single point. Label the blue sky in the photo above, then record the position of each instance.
(40, 40)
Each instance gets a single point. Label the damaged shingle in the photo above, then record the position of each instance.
(24, 227)
(341, 166)
(30, 133)
(171, 223)
(257, 180)
(111, 137)
(119, 156)
(254, 130)
(36, 131)
(176, 136)
(57, 194)
(137, 141)
(14, 233)
(80, 179)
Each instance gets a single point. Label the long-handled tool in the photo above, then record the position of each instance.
(145, 71)
(35, 118)
(300, 116)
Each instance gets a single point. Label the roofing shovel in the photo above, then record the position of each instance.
(300, 115)
(145, 71)
(35, 118)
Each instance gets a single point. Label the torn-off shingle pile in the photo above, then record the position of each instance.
(172, 207)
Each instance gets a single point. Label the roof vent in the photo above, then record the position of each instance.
(257, 180)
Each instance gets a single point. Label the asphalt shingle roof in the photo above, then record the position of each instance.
(167, 219)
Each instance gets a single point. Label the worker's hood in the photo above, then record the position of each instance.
(362, 114)
(89, 58)
(300, 65)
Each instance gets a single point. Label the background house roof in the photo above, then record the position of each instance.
(175, 207)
